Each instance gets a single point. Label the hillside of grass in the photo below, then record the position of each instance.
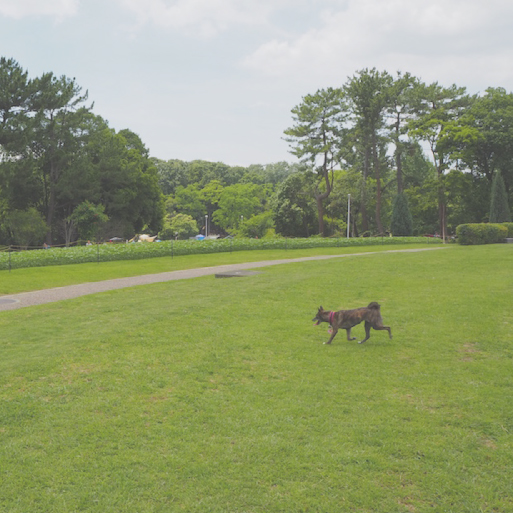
(212, 395)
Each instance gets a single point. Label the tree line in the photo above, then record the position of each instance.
(413, 158)
(61, 165)
(369, 138)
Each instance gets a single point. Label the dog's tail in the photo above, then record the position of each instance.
(374, 305)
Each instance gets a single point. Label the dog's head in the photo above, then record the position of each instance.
(319, 317)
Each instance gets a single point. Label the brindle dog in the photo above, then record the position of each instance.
(346, 319)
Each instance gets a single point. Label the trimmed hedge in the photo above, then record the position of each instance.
(482, 233)
(110, 252)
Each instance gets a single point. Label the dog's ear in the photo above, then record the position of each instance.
(321, 309)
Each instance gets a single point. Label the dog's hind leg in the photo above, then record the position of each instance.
(349, 337)
(384, 328)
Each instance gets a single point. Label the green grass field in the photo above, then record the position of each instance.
(37, 278)
(213, 395)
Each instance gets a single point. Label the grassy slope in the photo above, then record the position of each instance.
(218, 395)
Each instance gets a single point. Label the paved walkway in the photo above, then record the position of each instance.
(39, 297)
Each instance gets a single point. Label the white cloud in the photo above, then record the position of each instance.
(406, 35)
(18, 9)
(204, 18)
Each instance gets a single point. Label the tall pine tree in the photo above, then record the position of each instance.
(402, 222)
(499, 209)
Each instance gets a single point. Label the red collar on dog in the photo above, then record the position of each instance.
(330, 318)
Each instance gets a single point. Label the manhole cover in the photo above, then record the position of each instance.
(236, 274)
(7, 301)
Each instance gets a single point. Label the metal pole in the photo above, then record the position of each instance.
(9, 258)
(206, 225)
(348, 213)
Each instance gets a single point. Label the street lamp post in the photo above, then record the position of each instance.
(348, 213)
(206, 225)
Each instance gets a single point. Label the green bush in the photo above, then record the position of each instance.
(481, 233)
(509, 226)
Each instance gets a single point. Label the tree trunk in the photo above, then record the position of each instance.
(363, 206)
(320, 212)
(399, 165)
(398, 157)
(54, 172)
(377, 172)
(320, 197)
(442, 217)
(50, 213)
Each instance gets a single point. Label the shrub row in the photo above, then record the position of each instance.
(483, 233)
(111, 252)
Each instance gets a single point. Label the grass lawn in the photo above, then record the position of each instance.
(38, 278)
(219, 396)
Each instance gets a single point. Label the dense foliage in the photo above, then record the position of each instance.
(373, 135)
(55, 154)
(382, 153)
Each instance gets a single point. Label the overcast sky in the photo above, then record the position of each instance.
(216, 79)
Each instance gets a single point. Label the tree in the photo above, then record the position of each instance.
(316, 138)
(57, 131)
(172, 174)
(189, 200)
(400, 110)
(402, 222)
(27, 227)
(437, 109)
(126, 183)
(181, 226)
(15, 92)
(490, 122)
(368, 96)
(499, 208)
(19, 186)
(468, 198)
(293, 206)
(238, 203)
(257, 226)
(88, 219)
(55, 154)
(271, 173)
(209, 197)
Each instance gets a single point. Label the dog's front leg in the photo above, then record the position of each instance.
(349, 337)
(334, 331)
(367, 332)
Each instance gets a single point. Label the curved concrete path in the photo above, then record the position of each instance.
(39, 297)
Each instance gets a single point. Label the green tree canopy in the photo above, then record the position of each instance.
(294, 209)
(88, 219)
(181, 226)
(55, 154)
(238, 203)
